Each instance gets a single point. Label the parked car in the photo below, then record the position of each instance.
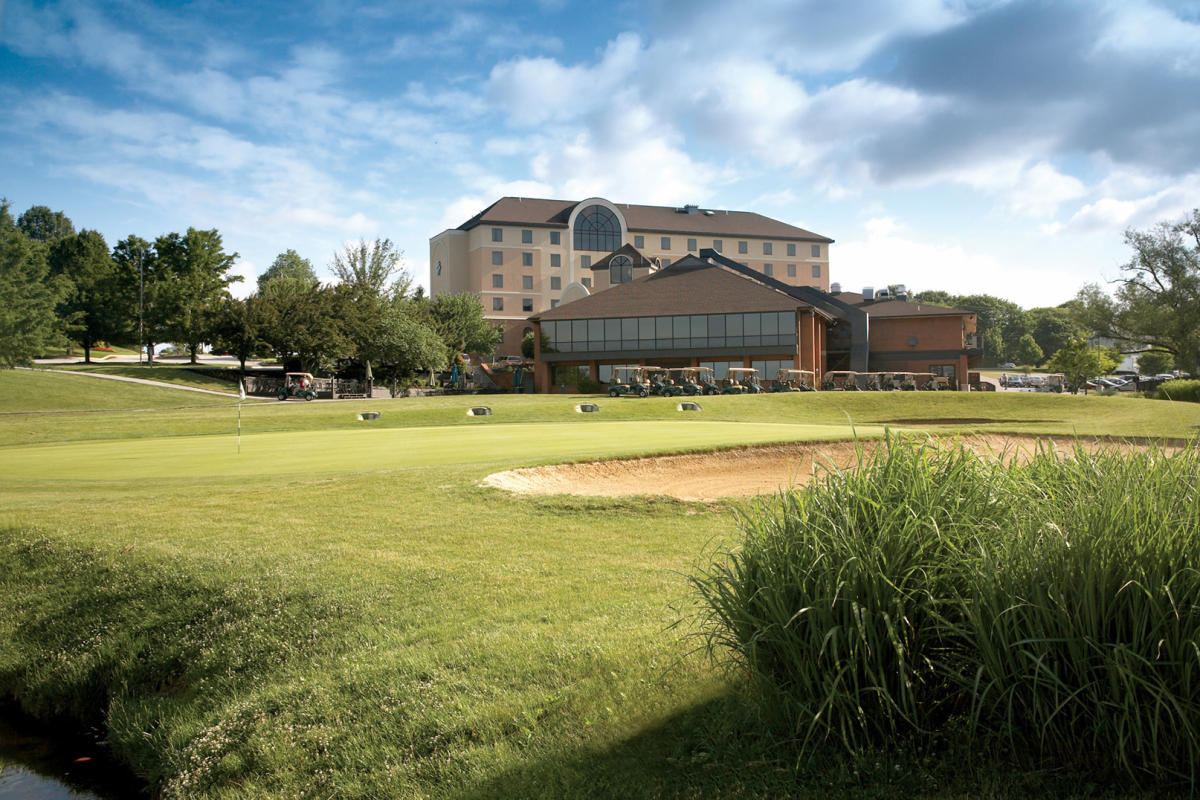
(1008, 365)
(508, 361)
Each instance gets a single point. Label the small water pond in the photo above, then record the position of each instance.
(37, 763)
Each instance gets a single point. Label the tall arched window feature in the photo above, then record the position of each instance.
(597, 228)
(620, 269)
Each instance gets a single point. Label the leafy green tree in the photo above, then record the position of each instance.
(289, 264)
(1155, 362)
(199, 267)
(237, 328)
(1028, 351)
(149, 291)
(404, 346)
(1081, 362)
(371, 269)
(1157, 300)
(459, 321)
(29, 297)
(93, 307)
(43, 225)
(1053, 327)
(302, 321)
(527, 349)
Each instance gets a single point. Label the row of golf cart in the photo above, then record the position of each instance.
(643, 381)
(848, 381)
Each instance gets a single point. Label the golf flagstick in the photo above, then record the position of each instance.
(241, 397)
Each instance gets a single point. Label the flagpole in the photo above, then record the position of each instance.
(241, 397)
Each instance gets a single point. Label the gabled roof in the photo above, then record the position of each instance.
(537, 212)
(899, 308)
(688, 286)
(634, 254)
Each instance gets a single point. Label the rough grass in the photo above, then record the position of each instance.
(395, 630)
(1052, 605)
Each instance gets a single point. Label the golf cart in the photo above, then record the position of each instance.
(840, 381)
(1053, 383)
(741, 380)
(704, 378)
(629, 381)
(685, 380)
(873, 381)
(662, 382)
(297, 384)
(927, 381)
(793, 380)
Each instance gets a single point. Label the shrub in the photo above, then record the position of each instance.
(1053, 604)
(1188, 391)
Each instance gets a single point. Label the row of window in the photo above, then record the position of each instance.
(526, 304)
(673, 333)
(619, 276)
(767, 368)
(596, 229)
(527, 282)
(527, 236)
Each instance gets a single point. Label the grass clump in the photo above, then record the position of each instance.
(1050, 605)
(1187, 391)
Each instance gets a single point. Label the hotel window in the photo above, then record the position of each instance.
(587, 282)
(718, 245)
(816, 251)
(665, 243)
(768, 249)
(497, 304)
(526, 237)
(791, 270)
(497, 234)
(526, 259)
(692, 246)
(666, 262)
(620, 269)
(585, 261)
(768, 269)
(556, 282)
(498, 258)
(555, 260)
(743, 247)
(816, 270)
(597, 228)
(791, 249)
(527, 282)
(527, 304)
(497, 281)
(555, 237)
(554, 304)
(639, 242)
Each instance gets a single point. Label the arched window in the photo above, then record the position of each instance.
(620, 269)
(597, 228)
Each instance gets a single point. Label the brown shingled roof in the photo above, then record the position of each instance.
(684, 288)
(634, 254)
(719, 224)
(899, 308)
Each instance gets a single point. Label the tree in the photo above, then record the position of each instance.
(199, 267)
(372, 269)
(1052, 328)
(404, 346)
(43, 225)
(1157, 300)
(149, 291)
(288, 264)
(459, 321)
(29, 297)
(92, 309)
(527, 348)
(302, 321)
(1155, 362)
(1028, 351)
(1080, 362)
(237, 328)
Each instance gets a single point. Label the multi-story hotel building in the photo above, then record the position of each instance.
(520, 255)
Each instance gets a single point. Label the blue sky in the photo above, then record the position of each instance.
(965, 145)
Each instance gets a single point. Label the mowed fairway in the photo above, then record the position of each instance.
(343, 611)
(332, 452)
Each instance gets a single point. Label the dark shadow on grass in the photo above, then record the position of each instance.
(716, 751)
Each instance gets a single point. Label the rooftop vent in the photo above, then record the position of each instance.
(708, 213)
(883, 294)
(690, 209)
(835, 288)
(868, 293)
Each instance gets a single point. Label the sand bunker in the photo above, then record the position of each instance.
(737, 473)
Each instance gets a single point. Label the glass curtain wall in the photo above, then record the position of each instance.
(707, 331)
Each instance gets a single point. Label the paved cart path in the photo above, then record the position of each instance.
(146, 381)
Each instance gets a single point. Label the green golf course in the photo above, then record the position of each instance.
(341, 610)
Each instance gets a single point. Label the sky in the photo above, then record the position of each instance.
(972, 146)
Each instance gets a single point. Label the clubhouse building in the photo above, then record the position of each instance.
(607, 284)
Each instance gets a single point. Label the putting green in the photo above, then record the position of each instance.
(365, 450)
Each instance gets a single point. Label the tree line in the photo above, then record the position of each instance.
(59, 286)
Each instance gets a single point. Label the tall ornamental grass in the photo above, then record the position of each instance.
(1187, 391)
(1052, 603)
